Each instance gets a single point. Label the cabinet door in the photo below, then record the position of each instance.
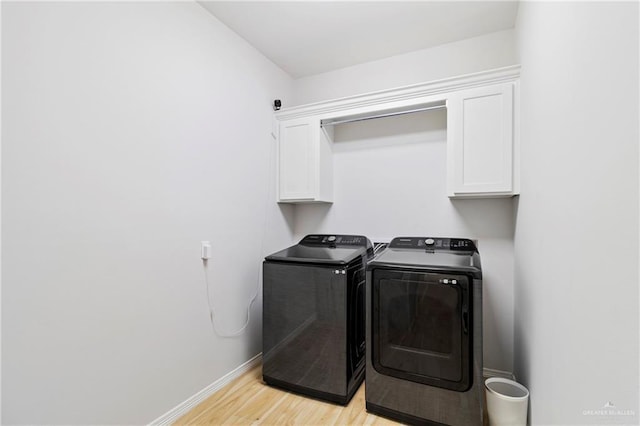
(305, 166)
(480, 141)
(297, 160)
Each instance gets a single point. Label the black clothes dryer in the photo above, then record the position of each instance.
(313, 316)
(424, 332)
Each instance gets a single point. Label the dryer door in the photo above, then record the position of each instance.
(421, 327)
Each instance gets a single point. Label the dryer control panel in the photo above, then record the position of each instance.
(434, 243)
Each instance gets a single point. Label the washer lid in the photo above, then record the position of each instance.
(325, 249)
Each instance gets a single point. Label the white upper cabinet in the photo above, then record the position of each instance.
(482, 135)
(304, 162)
(480, 142)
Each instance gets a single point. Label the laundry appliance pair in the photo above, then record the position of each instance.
(416, 307)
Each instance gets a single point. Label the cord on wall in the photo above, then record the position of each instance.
(212, 309)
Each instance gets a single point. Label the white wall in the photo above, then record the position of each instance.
(131, 132)
(390, 174)
(481, 53)
(576, 240)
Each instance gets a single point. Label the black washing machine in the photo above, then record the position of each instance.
(313, 316)
(424, 332)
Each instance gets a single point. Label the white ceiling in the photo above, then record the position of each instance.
(310, 37)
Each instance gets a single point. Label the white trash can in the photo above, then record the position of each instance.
(507, 402)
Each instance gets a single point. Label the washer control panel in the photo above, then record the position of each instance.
(433, 243)
(333, 240)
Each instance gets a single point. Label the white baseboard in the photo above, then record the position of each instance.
(490, 372)
(183, 408)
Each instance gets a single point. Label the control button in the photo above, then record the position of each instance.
(429, 241)
(331, 238)
(454, 282)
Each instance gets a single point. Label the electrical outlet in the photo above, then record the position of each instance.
(205, 250)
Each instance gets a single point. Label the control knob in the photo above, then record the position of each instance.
(429, 241)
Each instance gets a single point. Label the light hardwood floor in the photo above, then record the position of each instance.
(248, 401)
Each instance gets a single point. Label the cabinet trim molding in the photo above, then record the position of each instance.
(442, 87)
